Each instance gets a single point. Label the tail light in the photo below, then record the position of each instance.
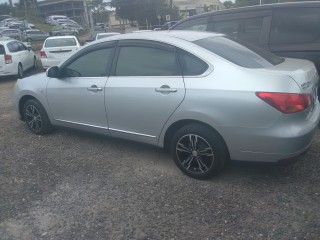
(7, 59)
(43, 54)
(286, 102)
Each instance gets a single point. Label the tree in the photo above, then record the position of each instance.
(243, 3)
(228, 4)
(145, 12)
(100, 13)
(5, 9)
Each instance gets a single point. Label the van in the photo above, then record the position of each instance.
(286, 29)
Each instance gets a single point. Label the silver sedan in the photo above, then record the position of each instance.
(203, 96)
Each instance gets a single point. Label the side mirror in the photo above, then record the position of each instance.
(53, 72)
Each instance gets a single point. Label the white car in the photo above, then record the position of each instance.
(56, 49)
(15, 57)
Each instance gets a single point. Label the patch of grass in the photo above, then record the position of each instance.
(42, 26)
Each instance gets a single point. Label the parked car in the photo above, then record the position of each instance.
(106, 34)
(34, 35)
(53, 19)
(286, 29)
(15, 57)
(202, 95)
(3, 17)
(73, 26)
(65, 21)
(12, 33)
(59, 30)
(165, 26)
(56, 49)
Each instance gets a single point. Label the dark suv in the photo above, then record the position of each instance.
(286, 29)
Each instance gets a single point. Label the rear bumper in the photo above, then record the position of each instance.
(47, 62)
(9, 69)
(284, 140)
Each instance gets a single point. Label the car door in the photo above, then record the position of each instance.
(26, 56)
(144, 89)
(76, 98)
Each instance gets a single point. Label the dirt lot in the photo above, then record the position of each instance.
(75, 185)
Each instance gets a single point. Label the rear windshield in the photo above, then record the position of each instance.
(242, 54)
(2, 50)
(60, 42)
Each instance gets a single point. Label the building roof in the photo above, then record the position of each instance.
(182, 4)
(49, 2)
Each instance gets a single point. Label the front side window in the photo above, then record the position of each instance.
(92, 64)
(60, 42)
(198, 24)
(295, 25)
(22, 47)
(146, 61)
(243, 54)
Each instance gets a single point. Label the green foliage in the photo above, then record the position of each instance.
(243, 3)
(99, 11)
(228, 4)
(145, 12)
(5, 9)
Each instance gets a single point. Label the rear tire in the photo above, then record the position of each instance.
(199, 151)
(35, 63)
(20, 71)
(36, 117)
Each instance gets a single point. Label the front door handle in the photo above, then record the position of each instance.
(94, 88)
(166, 89)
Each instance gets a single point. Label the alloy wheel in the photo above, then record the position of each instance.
(33, 118)
(194, 153)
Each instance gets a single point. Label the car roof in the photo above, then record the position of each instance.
(154, 35)
(108, 33)
(252, 8)
(5, 40)
(59, 37)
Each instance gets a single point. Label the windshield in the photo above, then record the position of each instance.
(242, 54)
(60, 42)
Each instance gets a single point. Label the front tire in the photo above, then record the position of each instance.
(36, 117)
(199, 151)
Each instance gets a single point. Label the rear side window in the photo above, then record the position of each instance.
(13, 47)
(60, 42)
(146, 61)
(2, 50)
(295, 25)
(191, 65)
(245, 29)
(242, 54)
(198, 24)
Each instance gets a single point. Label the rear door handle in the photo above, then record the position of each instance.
(94, 88)
(166, 89)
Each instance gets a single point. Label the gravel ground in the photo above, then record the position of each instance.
(75, 185)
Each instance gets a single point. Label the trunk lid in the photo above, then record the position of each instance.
(60, 48)
(303, 72)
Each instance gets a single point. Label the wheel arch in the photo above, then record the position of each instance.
(179, 124)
